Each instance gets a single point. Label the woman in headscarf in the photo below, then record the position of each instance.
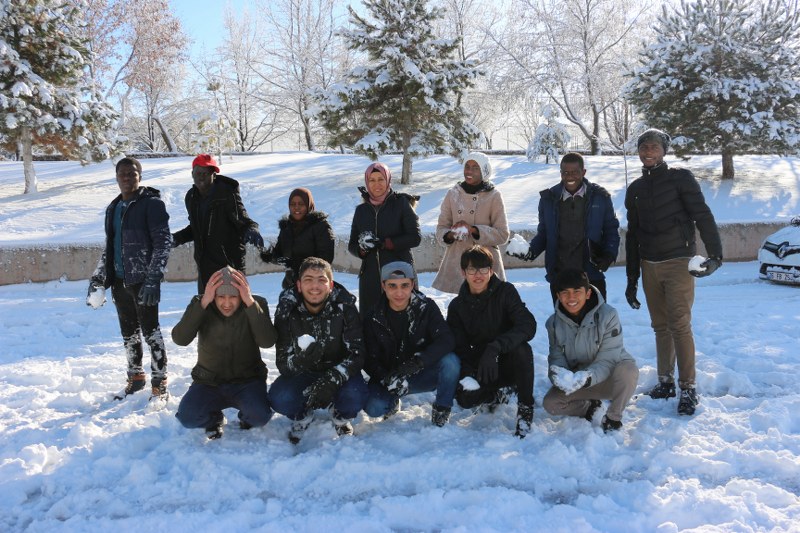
(472, 213)
(385, 227)
(304, 232)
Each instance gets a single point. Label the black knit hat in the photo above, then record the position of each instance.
(654, 135)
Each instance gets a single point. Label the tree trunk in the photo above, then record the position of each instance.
(727, 164)
(405, 177)
(167, 138)
(27, 161)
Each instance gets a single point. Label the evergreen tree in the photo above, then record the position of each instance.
(46, 96)
(723, 76)
(406, 98)
(550, 139)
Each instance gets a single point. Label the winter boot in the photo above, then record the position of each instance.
(299, 427)
(688, 402)
(594, 405)
(214, 430)
(524, 420)
(341, 425)
(611, 425)
(394, 410)
(159, 391)
(664, 390)
(439, 415)
(500, 398)
(135, 383)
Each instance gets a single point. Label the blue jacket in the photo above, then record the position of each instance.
(601, 227)
(146, 241)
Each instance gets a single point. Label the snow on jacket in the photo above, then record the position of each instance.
(600, 226)
(594, 345)
(484, 210)
(218, 230)
(394, 219)
(428, 335)
(146, 241)
(664, 206)
(313, 237)
(336, 328)
(496, 317)
(227, 347)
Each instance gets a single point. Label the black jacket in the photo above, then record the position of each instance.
(394, 219)
(336, 328)
(664, 206)
(313, 237)
(146, 241)
(217, 228)
(428, 335)
(496, 318)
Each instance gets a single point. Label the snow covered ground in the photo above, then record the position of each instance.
(73, 460)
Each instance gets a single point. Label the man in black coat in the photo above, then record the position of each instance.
(492, 327)
(218, 222)
(664, 207)
(409, 348)
(132, 264)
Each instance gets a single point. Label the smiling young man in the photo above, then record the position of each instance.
(231, 326)
(578, 228)
(587, 360)
(409, 348)
(492, 328)
(319, 352)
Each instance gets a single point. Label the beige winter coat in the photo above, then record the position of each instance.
(484, 210)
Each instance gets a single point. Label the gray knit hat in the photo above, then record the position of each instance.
(654, 135)
(227, 288)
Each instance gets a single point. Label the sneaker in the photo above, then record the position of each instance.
(299, 427)
(611, 425)
(524, 420)
(215, 431)
(159, 390)
(393, 411)
(688, 402)
(341, 425)
(439, 415)
(135, 383)
(664, 390)
(594, 405)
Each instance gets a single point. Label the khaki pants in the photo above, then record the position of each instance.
(618, 388)
(669, 289)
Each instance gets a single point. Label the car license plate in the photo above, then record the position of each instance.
(783, 276)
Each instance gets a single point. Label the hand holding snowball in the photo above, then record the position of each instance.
(569, 381)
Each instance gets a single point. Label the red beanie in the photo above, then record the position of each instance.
(205, 160)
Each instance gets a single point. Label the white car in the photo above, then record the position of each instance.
(779, 256)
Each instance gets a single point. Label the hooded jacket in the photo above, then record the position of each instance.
(664, 206)
(146, 241)
(312, 237)
(227, 347)
(600, 226)
(594, 345)
(429, 337)
(336, 329)
(216, 225)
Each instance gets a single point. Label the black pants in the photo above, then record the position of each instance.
(515, 370)
(600, 284)
(136, 321)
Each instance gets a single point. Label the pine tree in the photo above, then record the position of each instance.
(46, 96)
(406, 97)
(550, 139)
(723, 75)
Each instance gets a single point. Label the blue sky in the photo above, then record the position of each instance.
(202, 20)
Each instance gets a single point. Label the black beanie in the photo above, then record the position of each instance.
(654, 135)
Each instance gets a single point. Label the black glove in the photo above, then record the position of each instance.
(487, 367)
(150, 293)
(601, 262)
(284, 261)
(309, 357)
(630, 293)
(173, 241)
(367, 241)
(266, 254)
(711, 265)
(95, 302)
(252, 236)
(322, 392)
(397, 381)
(527, 256)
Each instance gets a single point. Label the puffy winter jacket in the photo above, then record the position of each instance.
(297, 241)
(336, 329)
(497, 317)
(428, 335)
(227, 347)
(146, 240)
(594, 345)
(664, 206)
(600, 226)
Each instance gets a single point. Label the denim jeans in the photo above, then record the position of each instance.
(202, 404)
(442, 377)
(286, 396)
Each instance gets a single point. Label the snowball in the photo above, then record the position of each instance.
(96, 298)
(469, 383)
(518, 245)
(460, 233)
(696, 262)
(366, 240)
(567, 380)
(304, 341)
